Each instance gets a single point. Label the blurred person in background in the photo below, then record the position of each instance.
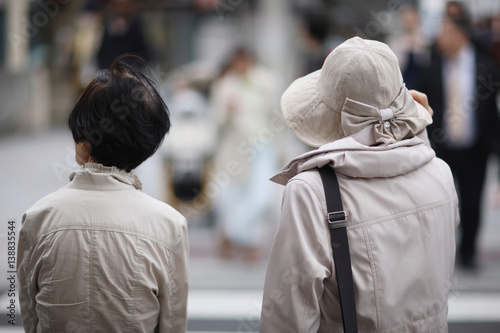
(494, 50)
(495, 38)
(410, 45)
(86, 43)
(123, 33)
(461, 83)
(99, 255)
(478, 37)
(188, 154)
(457, 10)
(242, 99)
(315, 28)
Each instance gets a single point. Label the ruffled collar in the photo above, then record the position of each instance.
(121, 175)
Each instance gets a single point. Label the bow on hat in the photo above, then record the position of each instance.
(397, 122)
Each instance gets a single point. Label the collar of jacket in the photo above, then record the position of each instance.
(95, 176)
(353, 159)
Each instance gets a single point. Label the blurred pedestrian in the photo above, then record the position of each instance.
(410, 45)
(242, 99)
(494, 49)
(400, 202)
(457, 10)
(86, 43)
(462, 83)
(315, 30)
(99, 255)
(494, 42)
(123, 33)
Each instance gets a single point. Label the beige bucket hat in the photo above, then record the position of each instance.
(358, 92)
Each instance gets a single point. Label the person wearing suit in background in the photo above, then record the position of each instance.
(461, 84)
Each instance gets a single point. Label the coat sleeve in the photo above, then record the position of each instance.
(299, 262)
(173, 295)
(27, 281)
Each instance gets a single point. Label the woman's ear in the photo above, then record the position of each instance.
(82, 155)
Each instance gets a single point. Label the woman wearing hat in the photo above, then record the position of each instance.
(399, 198)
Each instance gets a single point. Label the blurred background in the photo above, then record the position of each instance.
(221, 66)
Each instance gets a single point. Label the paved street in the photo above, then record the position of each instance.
(225, 295)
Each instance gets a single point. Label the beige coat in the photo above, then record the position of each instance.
(99, 255)
(402, 214)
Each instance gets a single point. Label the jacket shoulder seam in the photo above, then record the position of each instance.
(402, 214)
(92, 229)
(319, 197)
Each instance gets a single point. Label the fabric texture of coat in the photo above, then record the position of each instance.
(402, 213)
(99, 255)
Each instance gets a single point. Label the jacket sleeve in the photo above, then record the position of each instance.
(299, 262)
(173, 295)
(27, 281)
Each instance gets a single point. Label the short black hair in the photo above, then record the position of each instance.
(121, 115)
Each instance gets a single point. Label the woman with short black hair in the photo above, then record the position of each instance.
(120, 119)
(98, 254)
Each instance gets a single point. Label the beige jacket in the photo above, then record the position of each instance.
(99, 255)
(402, 214)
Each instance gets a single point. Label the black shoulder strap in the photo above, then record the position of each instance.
(337, 222)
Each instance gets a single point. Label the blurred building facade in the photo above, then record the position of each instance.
(48, 47)
(40, 65)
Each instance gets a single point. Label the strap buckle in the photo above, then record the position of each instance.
(337, 219)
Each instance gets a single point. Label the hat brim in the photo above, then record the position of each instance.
(423, 113)
(311, 120)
